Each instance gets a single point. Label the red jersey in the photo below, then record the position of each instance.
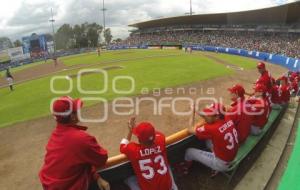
(261, 111)
(284, 93)
(149, 163)
(275, 95)
(71, 154)
(239, 114)
(266, 80)
(295, 86)
(224, 138)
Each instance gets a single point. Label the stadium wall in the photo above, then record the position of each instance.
(290, 63)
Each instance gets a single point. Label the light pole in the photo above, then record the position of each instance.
(191, 9)
(103, 16)
(53, 33)
(103, 12)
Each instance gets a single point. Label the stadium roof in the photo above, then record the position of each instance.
(284, 14)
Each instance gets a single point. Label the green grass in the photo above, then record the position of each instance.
(32, 99)
(92, 58)
(237, 60)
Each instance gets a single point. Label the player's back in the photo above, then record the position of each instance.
(150, 164)
(225, 140)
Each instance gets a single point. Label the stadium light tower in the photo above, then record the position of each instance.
(191, 8)
(53, 33)
(103, 12)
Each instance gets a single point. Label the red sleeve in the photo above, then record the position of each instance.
(125, 147)
(91, 152)
(203, 133)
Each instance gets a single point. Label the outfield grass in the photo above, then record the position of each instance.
(92, 58)
(237, 60)
(32, 99)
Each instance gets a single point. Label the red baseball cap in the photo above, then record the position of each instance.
(283, 78)
(213, 109)
(261, 65)
(65, 105)
(260, 88)
(144, 132)
(237, 89)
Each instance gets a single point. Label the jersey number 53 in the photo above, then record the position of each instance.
(148, 172)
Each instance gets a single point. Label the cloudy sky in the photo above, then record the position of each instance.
(22, 17)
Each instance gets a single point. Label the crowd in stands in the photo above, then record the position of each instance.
(277, 43)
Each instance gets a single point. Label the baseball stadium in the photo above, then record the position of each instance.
(200, 101)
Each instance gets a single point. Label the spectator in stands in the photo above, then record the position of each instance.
(276, 43)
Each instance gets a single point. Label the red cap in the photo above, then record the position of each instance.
(261, 65)
(65, 105)
(213, 109)
(260, 88)
(144, 132)
(283, 78)
(237, 89)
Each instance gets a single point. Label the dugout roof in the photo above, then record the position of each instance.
(284, 14)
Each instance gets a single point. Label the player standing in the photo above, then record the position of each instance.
(98, 51)
(221, 136)
(10, 79)
(148, 158)
(72, 155)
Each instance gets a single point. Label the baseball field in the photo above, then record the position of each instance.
(168, 77)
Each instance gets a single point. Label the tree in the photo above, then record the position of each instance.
(17, 43)
(5, 43)
(63, 36)
(107, 36)
(93, 31)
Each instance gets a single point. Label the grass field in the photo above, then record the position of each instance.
(32, 99)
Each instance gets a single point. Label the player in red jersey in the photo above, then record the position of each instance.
(261, 109)
(239, 112)
(284, 90)
(265, 77)
(218, 132)
(148, 158)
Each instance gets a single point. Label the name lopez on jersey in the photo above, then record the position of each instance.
(150, 151)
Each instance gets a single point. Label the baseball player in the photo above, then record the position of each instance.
(275, 94)
(55, 61)
(284, 90)
(98, 51)
(265, 77)
(261, 109)
(221, 136)
(10, 79)
(148, 158)
(72, 155)
(239, 112)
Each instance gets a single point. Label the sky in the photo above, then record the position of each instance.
(23, 17)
